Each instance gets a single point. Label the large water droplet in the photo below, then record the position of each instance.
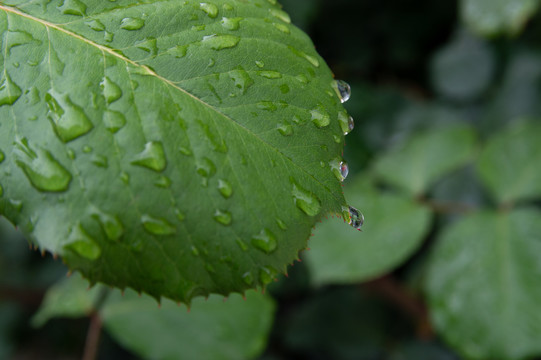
(9, 91)
(110, 224)
(223, 217)
(343, 89)
(267, 274)
(42, 170)
(220, 42)
(346, 122)
(131, 23)
(178, 51)
(353, 216)
(149, 44)
(339, 168)
(231, 23)
(270, 74)
(320, 117)
(241, 78)
(311, 59)
(210, 9)
(157, 226)
(80, 242)
(279, 14)
(73, 7)
(16, 38)
(285, 128)
(111, 91)
(305, 200)
(152, 157)
(68, 119)
(265, 241)
(113, 120)
(95, 25)
(225, 188)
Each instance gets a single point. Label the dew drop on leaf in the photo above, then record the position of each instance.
(230, 23)
(149, 45)
(267, 106)
(284, 88)
(305, 200)
(125, 177)
(225, 188)
(285, 128)
(163, 182)
(108, 36)
(157, 226)
(282, 27)
(259, 64)
(267, 274)
(210, 9)
(265, 241)
(68, 119)
(110, 224)
(73, 7)
(17, 38)
(113, 120)
(339, 168)
(180, 215)
(302, 79)
(282, 225)
(346, 122)
(320, 117)
(242, 245)
(228, 7)
(100, 161)
(270, 74)
(311, 59)
(241, 79)
(131, 23)
(42, 170)
(82, 244)
(152, 157)
(9, 91)
(178, 51)
(353, 217)
(248, 278)
(111, 91)
(95, 25)
(223, 217)
(206, 169)
(344, 90)
(280, 14)
(220, 42)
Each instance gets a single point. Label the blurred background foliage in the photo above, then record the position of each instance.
(445, 165)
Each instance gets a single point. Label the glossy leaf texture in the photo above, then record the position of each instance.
(483, 285)
(173, 147)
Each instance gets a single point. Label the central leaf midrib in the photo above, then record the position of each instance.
(112, 52)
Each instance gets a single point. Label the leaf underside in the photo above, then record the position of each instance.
(176, 147)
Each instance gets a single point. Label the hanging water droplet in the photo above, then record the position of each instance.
(95, 25)
(311, 59)
(231, 23)
(80, 242)
(267, 106)
(346, 122)
(353, 217)
(111, 91)
(339, 168)
(265, 241)
(131, 23)
(113, 120)
(279, 14)
(248, 278)
(152, 157)
(9, 91)
(270, 74)
(305, 200)
(178, 51)
(343, 89)
(100, 161)
(68, 119)
(206, 168)
(210, 9)
(282, 27)
(163, 182)
(110, 224)
(223, 217)
(220, 42)
(282, 225)
(267, 274)
(241, 79)
(73, 7)
(157, 226)
(225, 188)
(285, 128)
(42, 170)
(320, 117)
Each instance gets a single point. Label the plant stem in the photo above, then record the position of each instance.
(94, 329)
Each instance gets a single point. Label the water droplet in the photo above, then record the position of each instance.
(337, 139)
(267, 105)
(178, 51)
(305, 200)
(346, 122)
(220, 42)
(17, 38)
(113, 120)
(217, 142)
(320, 117)
(285, 128)
(111, 91)
(195, 251)
(130, 23)
(210, 9)
(125, 177)
(311, 59)
(81, 243)
(265, 241)
(71, 154)
(339, 168)
(231, 23)
(223, 217)
(225, 188)
(16, 204)
(68, 119)
(157, 226)
(343, 90)
(270, 74)
(282, 27)
(211, 62)
(241, 79)
(302, 79)
(281, 224)
(2, 156)
(248, 278)
(110, 224)
(284, 88)
(267, 274)
(280, 14)
(100, 161)
(9, 91)
(42, 170)
(353, 216)
(228, 7)
(87, 149)
(163, 182)
(185, 151)
(55, 62)
(152, 157)
(73, 7)
(259, 64)
(198, 27)
(95, 25)
(206, 168)
(149, 45)
(108, 36)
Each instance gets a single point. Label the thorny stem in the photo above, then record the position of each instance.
(94, 329)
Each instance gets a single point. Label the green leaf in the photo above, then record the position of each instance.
(423, 159)
(71, 297)
(148, 142)
(491, 17)
(215, 328)
(484, 285)
(394, 229)
(509, 163)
